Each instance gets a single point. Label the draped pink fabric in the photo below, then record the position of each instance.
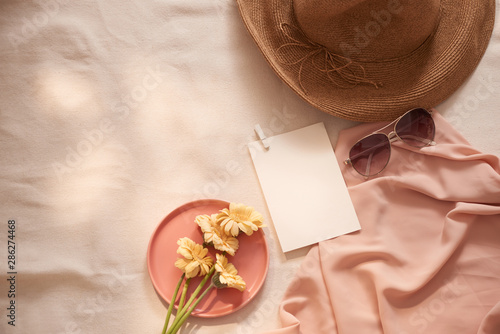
(427, 259)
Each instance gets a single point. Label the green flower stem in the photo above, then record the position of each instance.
(197, 291)
(183, 295)
(177, 326)
(172, 301)
(181, 312)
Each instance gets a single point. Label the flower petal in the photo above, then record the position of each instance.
(239, 217)
(181, 264)
(192, 269)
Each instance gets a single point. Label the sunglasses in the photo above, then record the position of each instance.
(370, 155)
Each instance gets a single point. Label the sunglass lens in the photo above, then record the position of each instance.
(416, 128)
(370, 155)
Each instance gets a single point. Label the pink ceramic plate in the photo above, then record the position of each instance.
(251, 260)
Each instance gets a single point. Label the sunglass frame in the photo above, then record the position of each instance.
(392, 136)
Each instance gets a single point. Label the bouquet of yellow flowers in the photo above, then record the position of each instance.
(220, 231)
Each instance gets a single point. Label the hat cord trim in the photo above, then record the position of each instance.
(349, 72)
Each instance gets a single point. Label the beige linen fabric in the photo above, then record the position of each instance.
(114, 113)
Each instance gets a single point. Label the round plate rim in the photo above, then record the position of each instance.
(176, 212)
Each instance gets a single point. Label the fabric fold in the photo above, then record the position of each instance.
(427, 257)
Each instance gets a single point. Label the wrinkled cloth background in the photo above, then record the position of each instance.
(112, 114)
(426, 257)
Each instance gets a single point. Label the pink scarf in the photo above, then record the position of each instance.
(427, 259)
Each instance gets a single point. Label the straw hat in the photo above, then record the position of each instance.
(371, 60)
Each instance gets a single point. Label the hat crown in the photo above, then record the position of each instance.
(368, 29)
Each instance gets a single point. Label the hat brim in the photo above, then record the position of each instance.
(424, 78)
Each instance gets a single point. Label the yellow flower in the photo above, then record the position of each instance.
(213, 234)
(227, 275)
(195, 261)
(240, 217)
(208, 226)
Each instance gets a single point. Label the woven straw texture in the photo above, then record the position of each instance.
(386, 87)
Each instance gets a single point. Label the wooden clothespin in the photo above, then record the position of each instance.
(264, 140)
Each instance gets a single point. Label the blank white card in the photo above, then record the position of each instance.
(303, 187)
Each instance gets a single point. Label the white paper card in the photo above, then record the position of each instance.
(303, 187)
